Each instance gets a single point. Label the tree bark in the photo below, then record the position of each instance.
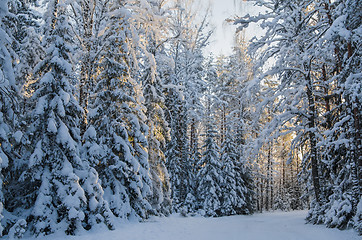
(312, 139)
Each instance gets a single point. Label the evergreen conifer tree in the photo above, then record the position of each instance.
(118, 115)
(186, 110)
(342, 144)
(7, 101)
(237, 185)
(210, 177)
(55, 162)
(151, 24)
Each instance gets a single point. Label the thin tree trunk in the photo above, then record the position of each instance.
(327, 103)
(261, 195)
(268, 180)
(312, 139)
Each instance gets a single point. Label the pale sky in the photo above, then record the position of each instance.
(222, 41)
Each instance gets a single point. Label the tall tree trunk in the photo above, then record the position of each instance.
(268, 200)
(261, 195)
(327, 99)
(312, 139)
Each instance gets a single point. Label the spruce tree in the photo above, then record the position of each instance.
(342, 145)
(151, 24)
(237, 185)
(177, 151)
(118, 115)
(7, 100)
(210, 177)
(190, 36)
(55, 162)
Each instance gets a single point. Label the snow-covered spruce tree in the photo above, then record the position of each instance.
(182, 175)
(210, 176)
(16, 24)
(177, 154)
(176, 146)
(244, 175)
(234, 188)
(164, 72)
(190, 73)
(90, 19)
(19, 192)
(234, 158)
(189, 38)
(342, 145)
(55, 163)
(117, 114)
(180, 167)
(151, 22)
(232, 118)
(177, 151)
(7, 101)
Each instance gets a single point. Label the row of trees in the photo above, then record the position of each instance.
(104, 106)
(308, 83)
(109, 110)
(276, 184)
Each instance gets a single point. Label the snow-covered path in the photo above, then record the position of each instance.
(266, 226)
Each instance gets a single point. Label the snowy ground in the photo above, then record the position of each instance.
(267, 226)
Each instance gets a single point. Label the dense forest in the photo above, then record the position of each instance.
(111, 111)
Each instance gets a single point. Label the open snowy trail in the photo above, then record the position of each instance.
(266, 226)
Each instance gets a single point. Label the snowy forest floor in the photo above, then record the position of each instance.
(265, 226)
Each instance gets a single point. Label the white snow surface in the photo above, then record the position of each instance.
(266, 226)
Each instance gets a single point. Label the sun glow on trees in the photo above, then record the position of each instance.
(110, 111)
